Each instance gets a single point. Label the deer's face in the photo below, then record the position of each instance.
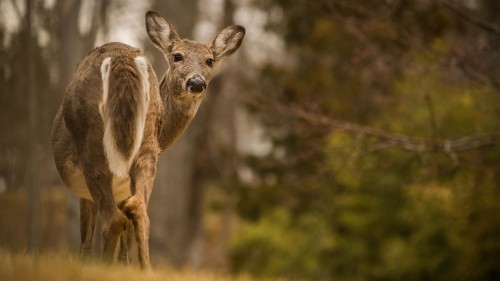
(191, 63)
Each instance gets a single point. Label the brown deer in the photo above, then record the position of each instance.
(115, 120)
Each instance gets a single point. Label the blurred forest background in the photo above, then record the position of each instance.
(346, 140)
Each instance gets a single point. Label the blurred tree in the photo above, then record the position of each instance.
(404, 189)
(37, 61)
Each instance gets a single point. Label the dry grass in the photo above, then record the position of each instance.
(66, 267)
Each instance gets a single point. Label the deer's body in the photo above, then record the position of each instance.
(115, 120)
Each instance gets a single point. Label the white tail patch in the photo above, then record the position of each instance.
(142, 65)
(118, 163)
(142, 110)
(105, 69)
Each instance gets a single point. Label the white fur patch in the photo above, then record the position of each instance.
(142, 66)
(118, 164)
(105, 69)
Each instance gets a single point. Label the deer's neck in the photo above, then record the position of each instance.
(179, 109)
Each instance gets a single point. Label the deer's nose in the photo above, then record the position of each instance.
(196, 84)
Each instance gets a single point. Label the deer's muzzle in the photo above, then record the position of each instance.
(196, 84)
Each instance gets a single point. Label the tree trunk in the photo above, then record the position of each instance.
(169, 206)
(32, 178)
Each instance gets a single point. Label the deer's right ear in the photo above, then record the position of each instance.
(160, 31)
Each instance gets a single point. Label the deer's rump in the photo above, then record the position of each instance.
(102, 119)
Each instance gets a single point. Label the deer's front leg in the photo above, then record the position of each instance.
(142, 177)
(88, 215)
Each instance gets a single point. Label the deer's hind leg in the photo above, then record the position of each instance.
(126, 240)
(114, 221)
(88, 216)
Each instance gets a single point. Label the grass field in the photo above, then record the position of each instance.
(59, 267)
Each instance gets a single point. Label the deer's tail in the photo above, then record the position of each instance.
(123, 109)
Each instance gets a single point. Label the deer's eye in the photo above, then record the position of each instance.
(210, 62)
(178, 57)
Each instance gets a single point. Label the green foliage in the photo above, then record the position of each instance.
(282, 246)
(348, 206)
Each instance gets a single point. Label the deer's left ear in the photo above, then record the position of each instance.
(227, 41)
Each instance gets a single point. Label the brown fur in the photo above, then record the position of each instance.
(77, 135)
(124, 96)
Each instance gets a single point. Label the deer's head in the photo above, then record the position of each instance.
(191, 63)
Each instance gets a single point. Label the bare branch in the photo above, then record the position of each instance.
(390, 139)
(494, 29)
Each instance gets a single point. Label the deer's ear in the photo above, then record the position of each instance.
(227, 41)
(160, 31)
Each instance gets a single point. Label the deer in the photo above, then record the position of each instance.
(115, 120)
